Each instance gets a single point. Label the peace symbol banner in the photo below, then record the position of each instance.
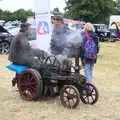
(43, 24)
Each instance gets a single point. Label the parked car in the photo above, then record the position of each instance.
(102, 32)
(5, 39)
(7, 34)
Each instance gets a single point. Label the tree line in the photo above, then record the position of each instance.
(95, 11)
(20, 15)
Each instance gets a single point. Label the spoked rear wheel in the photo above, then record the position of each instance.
(89, 94)
(69, 96)
(30, 85)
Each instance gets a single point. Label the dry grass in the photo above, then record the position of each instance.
(106, 78)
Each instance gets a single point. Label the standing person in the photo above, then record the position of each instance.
(90, 49)
(64, 41)
(58, 38)
(21, 52)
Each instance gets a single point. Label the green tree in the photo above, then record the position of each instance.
(96, 11)
(7, 16)
(29, 13)
(21, 15)
(118, 7)
(1, 15)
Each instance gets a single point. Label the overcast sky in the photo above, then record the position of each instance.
(13, 5)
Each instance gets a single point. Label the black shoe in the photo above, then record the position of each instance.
(14, 81)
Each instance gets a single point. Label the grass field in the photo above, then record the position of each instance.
(106, 79)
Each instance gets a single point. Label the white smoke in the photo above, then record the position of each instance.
(69, 41)
(74, 38)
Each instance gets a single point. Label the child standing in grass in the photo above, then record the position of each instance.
(90, 48)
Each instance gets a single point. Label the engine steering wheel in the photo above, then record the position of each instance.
(52, 60)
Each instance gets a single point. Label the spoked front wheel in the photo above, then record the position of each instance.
(69, 96)
(89, 94)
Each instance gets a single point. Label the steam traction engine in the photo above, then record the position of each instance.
(56, 79)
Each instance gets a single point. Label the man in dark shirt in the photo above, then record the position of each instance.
(21, 52)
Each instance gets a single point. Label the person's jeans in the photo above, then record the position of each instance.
(88, 70)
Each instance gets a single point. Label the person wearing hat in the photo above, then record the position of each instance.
(21, 52)
(59, 42)
(58, 38)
